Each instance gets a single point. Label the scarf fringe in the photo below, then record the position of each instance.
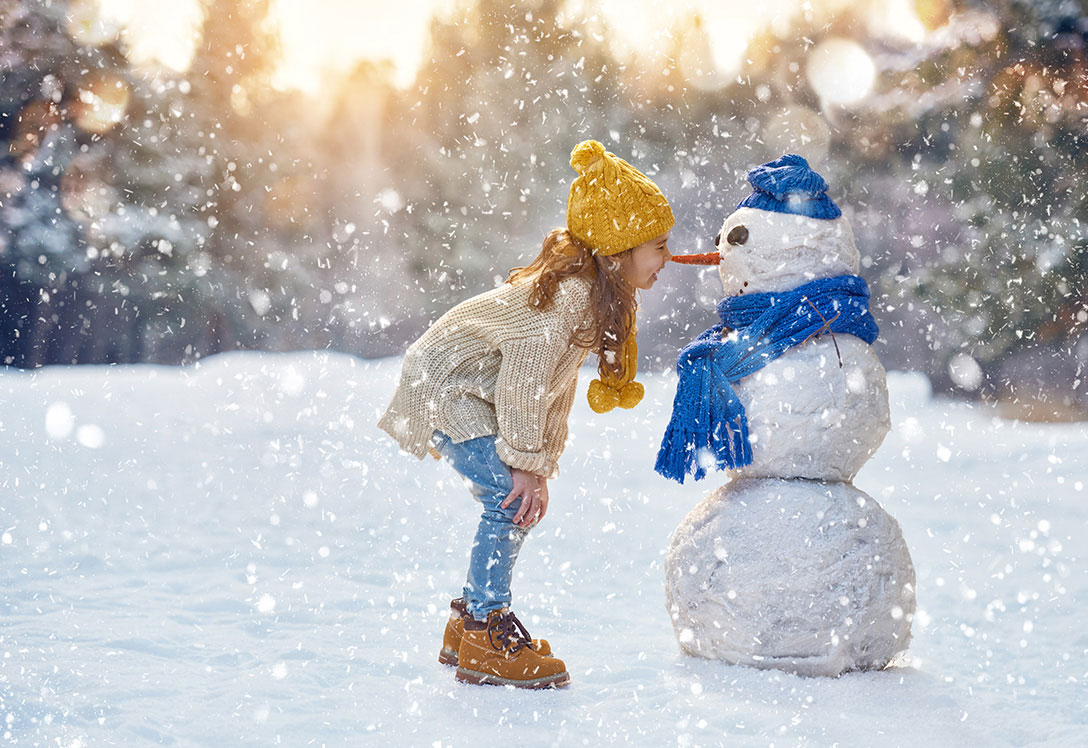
(708, 428)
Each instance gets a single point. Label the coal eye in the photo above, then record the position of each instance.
(737, 235)
(718, 239)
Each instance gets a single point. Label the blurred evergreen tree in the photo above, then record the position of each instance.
(356, 199)
(992, 137)
(229, 76)
(154, 217)
(477, 148)
(64, 88)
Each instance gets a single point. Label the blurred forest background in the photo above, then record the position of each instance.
(153, 215)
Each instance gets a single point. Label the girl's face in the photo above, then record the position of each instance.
(641, 264)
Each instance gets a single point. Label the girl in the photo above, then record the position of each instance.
(490, 386)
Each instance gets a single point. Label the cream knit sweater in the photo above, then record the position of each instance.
(495, 365)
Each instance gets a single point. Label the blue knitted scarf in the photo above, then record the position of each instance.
(708, 422)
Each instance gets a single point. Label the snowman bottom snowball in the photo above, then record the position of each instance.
(809, 577)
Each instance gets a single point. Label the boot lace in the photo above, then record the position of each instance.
(507, 633)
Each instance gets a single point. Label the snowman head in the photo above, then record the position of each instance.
(786, 233)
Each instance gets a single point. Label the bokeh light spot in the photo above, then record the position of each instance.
(800, 130)
(103, 101)
(840, 71)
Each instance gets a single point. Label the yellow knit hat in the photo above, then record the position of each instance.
(612, 206)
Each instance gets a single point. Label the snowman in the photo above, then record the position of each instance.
(787, 565)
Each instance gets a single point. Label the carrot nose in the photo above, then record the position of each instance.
(706, 258)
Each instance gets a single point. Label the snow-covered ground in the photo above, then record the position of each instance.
(233, 555)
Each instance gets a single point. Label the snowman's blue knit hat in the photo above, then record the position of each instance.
(789, 185)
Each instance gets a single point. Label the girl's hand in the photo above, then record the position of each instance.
(533, 490)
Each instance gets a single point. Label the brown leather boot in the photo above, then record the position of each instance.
(455, 629)
(498, 652)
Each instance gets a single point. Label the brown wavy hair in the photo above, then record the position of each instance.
(612, 312)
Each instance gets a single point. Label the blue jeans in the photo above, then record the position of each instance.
(498, 539)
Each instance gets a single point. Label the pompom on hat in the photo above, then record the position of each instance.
(789, 185)
(612, 206)
(608, 392)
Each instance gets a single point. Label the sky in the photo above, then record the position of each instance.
(321, 38)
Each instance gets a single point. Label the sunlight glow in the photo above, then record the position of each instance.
(647, 27)
(87, 25)
(840, 71)
(321, 40)
(161, 32)
(901, 18)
